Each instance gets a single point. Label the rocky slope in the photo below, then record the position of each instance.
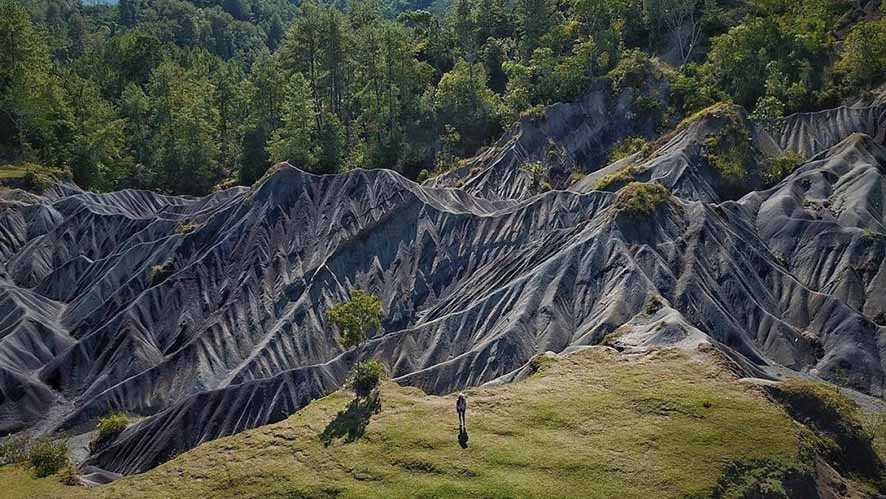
(207, 316)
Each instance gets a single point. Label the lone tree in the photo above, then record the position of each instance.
(356, 318)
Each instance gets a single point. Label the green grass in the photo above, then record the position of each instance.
(30, 176)
(12, 172)
(594, 424)
(839, 423)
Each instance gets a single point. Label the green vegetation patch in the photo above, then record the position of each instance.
(777, 169)
(641, 198)
(837, 420)
(186, 227)
(765, 478)
(729, 150)
(538, 176)
(109, 427)
(626, 147)
(31, 177)
(541, 362)
(47, 457)
(160, 273)
(617, 178)
(14, 449)
(574, 428)
(366, 377)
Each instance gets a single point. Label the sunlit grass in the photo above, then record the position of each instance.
(590, 425)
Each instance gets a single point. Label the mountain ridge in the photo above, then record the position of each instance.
(204, 315)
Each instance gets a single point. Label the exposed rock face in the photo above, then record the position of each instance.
(570, 136)
(208, 315)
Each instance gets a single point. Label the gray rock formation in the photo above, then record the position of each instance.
(207, 316)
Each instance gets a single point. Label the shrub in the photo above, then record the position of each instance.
(111, 425)
(729, 150)
(14, 449)
(68, 475)
(541, 362)
(654, 304)
(423, 175)
(47, 457)
(534, 113)
(576, 176)
(160, 273)
(730, 164)
(640, 198)
(633, 69)
(366, 376)
(537, 174)
(626, 148)
(622, 176)
(776, 169)
(185, 227)
(690, 91)
(764, 478)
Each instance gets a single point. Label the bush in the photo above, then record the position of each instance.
(160, 273)
(632, 71)
(68, 475)
(641, 198)
(625, 148)
(47, 457)
(765, 478)
(534, 113)
(576, 176)
(366, 376)
(185, 227)
(14, 449)
(541, 362)
(776, 169)
(622, 176)
(111, 425)
(729, 150)
(538, 175)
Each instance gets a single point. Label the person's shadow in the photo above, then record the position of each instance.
(463, 437)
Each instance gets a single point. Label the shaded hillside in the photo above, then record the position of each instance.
(593, 424)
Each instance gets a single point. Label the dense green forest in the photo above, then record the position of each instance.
(186, 96)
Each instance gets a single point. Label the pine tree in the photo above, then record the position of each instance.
(29, 89)
(294, 141)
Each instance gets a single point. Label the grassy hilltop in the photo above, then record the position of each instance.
(594, 424)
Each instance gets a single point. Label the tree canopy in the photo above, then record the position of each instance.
(184, 96)
(357, 318)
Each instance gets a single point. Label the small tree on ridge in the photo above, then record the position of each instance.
(357, 318)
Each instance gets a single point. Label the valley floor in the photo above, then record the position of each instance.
(593, 424)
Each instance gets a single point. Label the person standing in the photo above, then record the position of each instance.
(461, 407)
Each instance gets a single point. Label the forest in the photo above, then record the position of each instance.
(187, 97)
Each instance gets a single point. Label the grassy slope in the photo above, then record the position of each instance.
(595, 424)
